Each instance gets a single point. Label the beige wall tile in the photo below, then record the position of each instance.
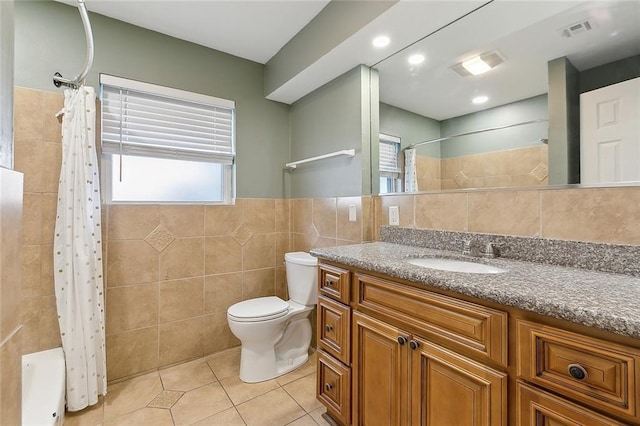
(368, 219)
(49, 213)
(498, 181)
(524, 180)
(181, 299)
(495, 164)
(508, 212)
(326, 242)
(30, 320)
(29, 159)
(11, 379)
(31, 267)
(47, 286)
(131, 262)
(324, 216)
(600, 215)
(472, 165)
(302, 242)
(259, 215)
(222, 291)
(49, 328)
(183, 258)
(180, 341)
(442, 211)
(450, 167)
(217, 335)
(51, 166)
(281, 283)
(301, 215)
(27, 117)
(222, 220)
(131, 307)
(258, 283)
(259, 252)
(283, 215)
(32, 219)
(136, 222)
(347, 230)
(522, 161)
(222, 254)
(406, 206)
(283, 246)
(132, 352)
(52, 126)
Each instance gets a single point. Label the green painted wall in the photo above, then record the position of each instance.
(498, 140)
(332, 118)
(6, 84)
(411, 128)
(49, 37)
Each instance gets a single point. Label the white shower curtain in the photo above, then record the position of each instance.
(78, 253)
(410, 172)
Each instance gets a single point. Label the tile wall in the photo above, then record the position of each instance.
(510, 168)
(607, 215)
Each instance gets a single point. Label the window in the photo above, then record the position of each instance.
(165, 145)
(389, 164)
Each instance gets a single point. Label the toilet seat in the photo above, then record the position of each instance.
(259, 309)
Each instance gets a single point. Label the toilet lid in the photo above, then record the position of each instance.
(259, 309)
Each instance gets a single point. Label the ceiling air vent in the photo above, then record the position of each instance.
(578, 28)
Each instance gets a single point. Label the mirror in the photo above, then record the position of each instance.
(596, 44)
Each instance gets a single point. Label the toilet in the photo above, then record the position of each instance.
(275, 334)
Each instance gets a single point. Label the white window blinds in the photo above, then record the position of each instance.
(148, 120)
(389, 148)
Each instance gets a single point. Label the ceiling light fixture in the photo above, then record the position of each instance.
(476, 66)
(479, 64)
(480, 99)
(416, 59)
(381, 41)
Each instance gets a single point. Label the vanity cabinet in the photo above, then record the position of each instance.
(395, 353)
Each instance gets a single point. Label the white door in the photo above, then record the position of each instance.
(610, 133)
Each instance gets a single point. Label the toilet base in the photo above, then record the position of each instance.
(260, 363)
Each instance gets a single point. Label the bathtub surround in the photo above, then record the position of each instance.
(77, 253)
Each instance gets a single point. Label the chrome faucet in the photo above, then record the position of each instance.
(476, 248)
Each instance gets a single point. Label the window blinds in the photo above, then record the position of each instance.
(389, 164)
(147, 120)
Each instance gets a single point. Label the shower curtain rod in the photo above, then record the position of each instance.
(58, 80)
(474, 132)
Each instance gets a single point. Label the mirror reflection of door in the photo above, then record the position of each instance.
(610, 133)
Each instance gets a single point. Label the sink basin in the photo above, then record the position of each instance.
(455, 265)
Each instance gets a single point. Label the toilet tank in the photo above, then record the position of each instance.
(302, 277)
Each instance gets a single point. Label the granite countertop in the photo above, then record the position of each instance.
(602, 300)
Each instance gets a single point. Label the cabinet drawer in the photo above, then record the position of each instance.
(334, 328)
(596, 372)
(454, 323)
(333, 387)
(334, 283)
(536, 407)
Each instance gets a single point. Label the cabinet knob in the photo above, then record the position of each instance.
(328, 327)
(328, 386)
(414, 344)
(577, 371)
(402, 340)
(328, 283)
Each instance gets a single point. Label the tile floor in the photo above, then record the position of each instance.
(208, 391)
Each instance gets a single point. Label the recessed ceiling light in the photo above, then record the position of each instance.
(476, 66)
(381, 41)
(416, 59)
(480, 99)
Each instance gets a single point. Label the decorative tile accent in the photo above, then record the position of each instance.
(159, 238)
(242, 234)
(540, 172)
(165, 399)
(460, 178)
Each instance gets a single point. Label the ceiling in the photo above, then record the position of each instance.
(257, 30)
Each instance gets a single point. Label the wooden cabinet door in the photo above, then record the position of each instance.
(449, 389)
(379, 373)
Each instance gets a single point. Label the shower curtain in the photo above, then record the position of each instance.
(410, 172)
(78, 253)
